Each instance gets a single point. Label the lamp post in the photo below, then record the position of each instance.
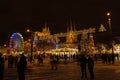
(109, 21)
(31, 42)
(112, 42)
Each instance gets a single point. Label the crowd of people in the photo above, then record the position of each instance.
(13, 61)
(86, 62)
(108, 58)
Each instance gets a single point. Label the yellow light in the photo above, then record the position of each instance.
(4, 45)
(29, 40)
(108, 14)
(28, 30)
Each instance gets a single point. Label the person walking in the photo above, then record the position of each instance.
(91, 67)
(113, 58)
(40, 59)
(21, 67)
(15, 61)
(54, 62)
(10, 61)
(1, 66)
(83, 63)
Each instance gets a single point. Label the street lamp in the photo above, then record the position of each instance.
(109, 24)
(31, 42)
(109, 21)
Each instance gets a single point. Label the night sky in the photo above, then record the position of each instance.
(18, 15)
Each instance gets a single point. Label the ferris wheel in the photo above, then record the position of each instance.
(16, 41)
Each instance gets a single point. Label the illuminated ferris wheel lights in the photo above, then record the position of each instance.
(16, 41)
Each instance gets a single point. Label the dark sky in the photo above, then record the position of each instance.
(17, 15)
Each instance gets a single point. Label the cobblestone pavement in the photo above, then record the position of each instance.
(69, 71)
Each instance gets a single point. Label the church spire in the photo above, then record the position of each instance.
(45, 25)
(71, 29)
(48, 30)
(67, 28)
(74, 27)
